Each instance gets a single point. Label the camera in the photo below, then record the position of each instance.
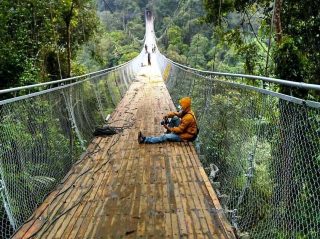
(164, 121)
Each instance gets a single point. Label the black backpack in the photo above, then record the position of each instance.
(104, 131)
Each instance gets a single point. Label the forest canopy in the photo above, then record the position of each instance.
(48, 40)
(44, 41)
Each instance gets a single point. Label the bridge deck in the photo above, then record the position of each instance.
(123, 189)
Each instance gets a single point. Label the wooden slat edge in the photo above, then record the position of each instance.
(223, 220)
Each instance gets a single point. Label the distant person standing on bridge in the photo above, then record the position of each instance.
(146, 48)
(182, 126)
(149, 59)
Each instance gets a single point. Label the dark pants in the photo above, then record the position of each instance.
(149, 59)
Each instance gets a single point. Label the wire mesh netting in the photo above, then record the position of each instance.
(261, 150)
(44, 133)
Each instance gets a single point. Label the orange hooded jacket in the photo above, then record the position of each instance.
(187, 128)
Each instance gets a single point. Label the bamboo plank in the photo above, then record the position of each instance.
(181, 217)
(64, 221)
(168, 226)
(111, 204)
(136, 190)
(102, 212)
(55, 215)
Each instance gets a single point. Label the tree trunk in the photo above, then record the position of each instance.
(69, 49)
(277, 20)
(68, 26)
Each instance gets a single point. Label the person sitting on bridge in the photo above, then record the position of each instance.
(182, 126)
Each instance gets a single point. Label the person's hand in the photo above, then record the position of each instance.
(166, 127)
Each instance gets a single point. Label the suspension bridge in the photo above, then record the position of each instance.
(252, 172)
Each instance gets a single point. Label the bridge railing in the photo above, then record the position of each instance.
(261, 149)
(43, 133)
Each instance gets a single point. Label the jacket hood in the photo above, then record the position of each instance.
(185, 103)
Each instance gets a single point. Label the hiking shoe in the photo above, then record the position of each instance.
(141, 138)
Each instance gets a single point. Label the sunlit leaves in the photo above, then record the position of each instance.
(33, 33)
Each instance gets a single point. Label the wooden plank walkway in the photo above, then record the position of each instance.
(123, 189)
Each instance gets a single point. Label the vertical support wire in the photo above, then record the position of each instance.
(6, 199)
(68, 101)
(250, 170)
(98, 98)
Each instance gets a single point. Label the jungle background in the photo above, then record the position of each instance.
(45, 41)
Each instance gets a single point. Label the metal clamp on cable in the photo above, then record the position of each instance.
(234, 220)
(214, 170)
(251, 166)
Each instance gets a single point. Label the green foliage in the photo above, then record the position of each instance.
(27, 127)
(198, 51)
(31, 73)
(249, 53)
(216, 9)
(162, 9)
(230, 43)
(107, 50)
(289, 55)
(174, 36)
(115, 42)
(301, 23)
(298, 50)
(33, 33)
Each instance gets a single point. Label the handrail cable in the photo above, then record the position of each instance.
(262, 78)
(63, 80)
(313, 104)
